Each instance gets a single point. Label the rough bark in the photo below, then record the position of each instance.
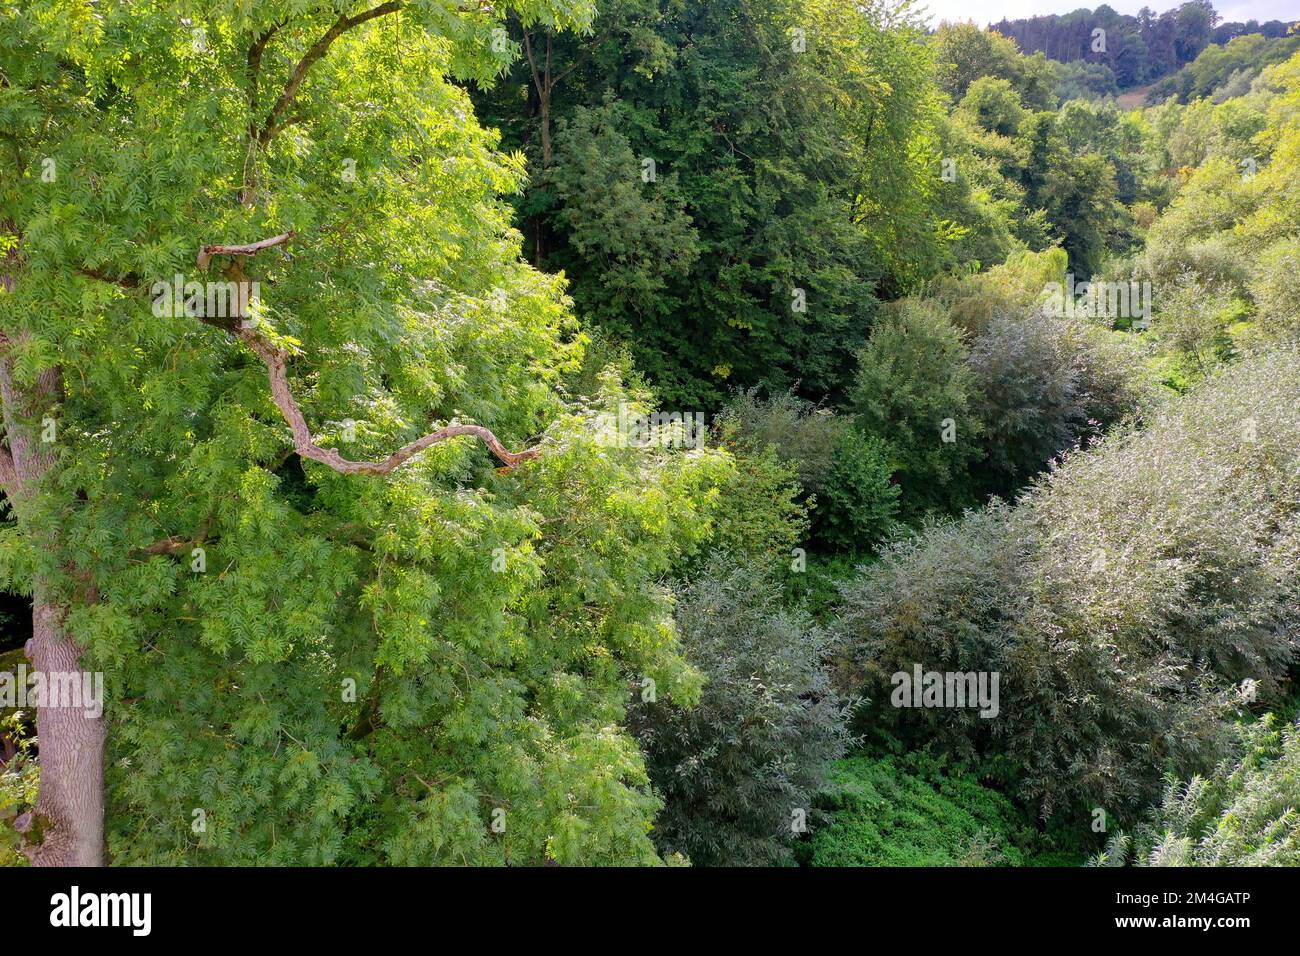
(67, 826)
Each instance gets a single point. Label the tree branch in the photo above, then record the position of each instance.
(175, 544)
(318, 49)
(248, 249)
(255, 73)
(276, 361)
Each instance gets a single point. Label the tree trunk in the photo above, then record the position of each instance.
(544, 108)
(67, 827)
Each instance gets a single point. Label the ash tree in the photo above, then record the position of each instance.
(363, 585)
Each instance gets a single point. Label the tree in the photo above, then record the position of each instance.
(252, 486)
(991, 104)
(739, 771)
(732, 185)
(915, 391)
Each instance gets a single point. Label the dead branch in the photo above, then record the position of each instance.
(276, 361)
(250, 249)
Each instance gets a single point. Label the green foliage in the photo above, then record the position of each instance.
(819, 215)
(1221, 71)
(1275, 289)
(912, 811)
(1029, 394)
(740, 767)
(636, 236)
(992, 105)
(1080, 80)
(761, 513)
(1121, 601)
(858, 504)
(20, 778)
(1046, 385)
(965, 53)
(802, 434)
(914, 385)
(794, 174)
(1243, 814)
(1138, 49)
(367, 667)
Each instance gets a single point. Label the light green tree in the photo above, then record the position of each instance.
(263, 319)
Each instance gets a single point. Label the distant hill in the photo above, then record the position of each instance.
(1137, 49)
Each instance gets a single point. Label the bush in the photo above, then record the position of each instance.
(858, 504)
(1044, 386)
(1244, 814)
(944, 597)
(1276, 290)
(1121, 602)
(1028, 394)
(845, 473)
(914, 385)
(800, 432)
(906, 811)
(759, 516)
(19, 778)
(758, 745)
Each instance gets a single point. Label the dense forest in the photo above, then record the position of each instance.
(608, 432)
(1132, 50)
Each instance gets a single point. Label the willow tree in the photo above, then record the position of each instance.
(288, 457)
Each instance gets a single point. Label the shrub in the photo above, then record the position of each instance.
(759, 516)
(1276, 289)
(1044, 386)
(1244, 814)
(944, 597)
(845, 473)
(913, 384)
(906, 811)
(19, 779)
(1029, 394)
(757, 746)
(1190, 323)
(858, 504)
(1121, 602)
(798, 431)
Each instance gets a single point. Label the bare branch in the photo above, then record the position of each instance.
(175, 544)
(249, 249)
(276, 361)
(255, 69)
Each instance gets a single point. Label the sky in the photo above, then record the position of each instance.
(985, 12)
